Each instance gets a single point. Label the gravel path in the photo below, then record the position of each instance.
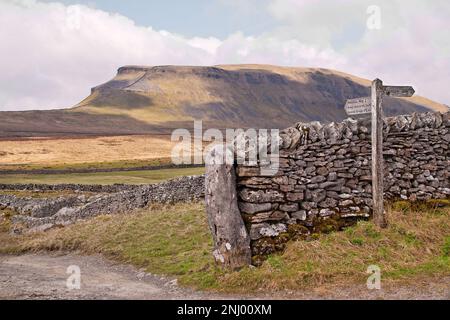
(44, 276)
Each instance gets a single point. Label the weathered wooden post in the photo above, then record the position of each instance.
(379, 215)
(231, 238)
(374, 105)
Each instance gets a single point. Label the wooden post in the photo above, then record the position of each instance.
(373, 105)
(231, 238)
(379, 216)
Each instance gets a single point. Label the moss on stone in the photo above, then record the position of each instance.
(439, 203)
(326, 225)
(420, 205)
(268, 245)
(298, 231)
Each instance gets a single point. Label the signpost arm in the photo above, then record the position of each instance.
(377, 154)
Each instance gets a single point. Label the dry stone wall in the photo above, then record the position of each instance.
(95, 188)
(324, 180)
(45, 213)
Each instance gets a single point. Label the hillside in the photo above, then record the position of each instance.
(157, 99)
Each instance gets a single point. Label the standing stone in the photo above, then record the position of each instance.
(231, 239)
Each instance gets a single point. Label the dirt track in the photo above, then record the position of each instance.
(44, 277)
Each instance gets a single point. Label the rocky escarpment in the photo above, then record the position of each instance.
(324, 180)
(43, 214)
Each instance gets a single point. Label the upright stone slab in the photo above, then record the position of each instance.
(231, 239)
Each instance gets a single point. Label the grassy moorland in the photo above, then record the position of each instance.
(76, 160)
(87, 166)
(61, 153)
(175, 241)
(104, 178)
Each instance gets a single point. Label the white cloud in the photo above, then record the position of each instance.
(210, 45)
(51, 54)
(266, 49)
(412, 46)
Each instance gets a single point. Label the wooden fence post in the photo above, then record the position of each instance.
(379, 214)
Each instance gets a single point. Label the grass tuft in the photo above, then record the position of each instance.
(446, 247)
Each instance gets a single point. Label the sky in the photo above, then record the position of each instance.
(53, 52)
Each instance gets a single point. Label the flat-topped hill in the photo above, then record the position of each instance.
(157, 99)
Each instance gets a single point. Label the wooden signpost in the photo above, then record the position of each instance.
(358, 106)
(373, 105)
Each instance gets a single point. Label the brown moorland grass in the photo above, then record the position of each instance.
(59, 153)
(175, 241)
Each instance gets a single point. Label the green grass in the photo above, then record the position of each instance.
(94, 165)
(175, 241)
(446, 247)
(170, 240)
(105, 178)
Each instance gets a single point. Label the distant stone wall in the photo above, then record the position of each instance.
(43, 214)
(95, 188)
(324, 181)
